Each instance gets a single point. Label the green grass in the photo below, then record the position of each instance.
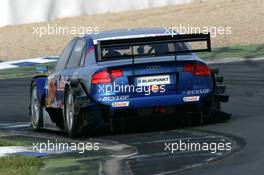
(4, 142)
(20, 165)
(77, 164)
(67, 163)
(64, 164)
(248, 51)
(27, 71)
(9, 140)
(70, 163)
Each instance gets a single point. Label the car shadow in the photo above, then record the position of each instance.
(153, 123)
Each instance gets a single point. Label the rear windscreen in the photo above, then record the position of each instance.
(117, 52)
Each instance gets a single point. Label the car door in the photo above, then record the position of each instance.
(53, 98)
(70, 71)
(75, 61)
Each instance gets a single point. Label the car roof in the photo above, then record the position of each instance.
(127, 33)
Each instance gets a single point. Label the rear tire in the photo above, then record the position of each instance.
(71, 116)
(216, 105)
(212, 108)
(36, 111)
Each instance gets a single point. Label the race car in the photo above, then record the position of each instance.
(102, 77)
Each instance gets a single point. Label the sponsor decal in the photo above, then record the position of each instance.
(62, 81)
(154, 67)
(113, 98)
(191, 98)
(120, 104)
(51, 92)
(154, 88)
(153, 80)
(55, 90)
(196, 91)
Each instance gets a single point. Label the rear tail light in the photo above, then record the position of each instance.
(201, 70)
(188, 67)
(197, 69)
(115, 73)
(101, 77)
(106, 76)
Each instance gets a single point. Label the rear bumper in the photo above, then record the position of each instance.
(153, 101)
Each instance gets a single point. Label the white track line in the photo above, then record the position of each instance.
(13, 125)
(230, 60)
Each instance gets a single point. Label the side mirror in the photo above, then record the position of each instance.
(42, 69)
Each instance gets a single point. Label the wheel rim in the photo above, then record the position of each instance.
(69, 111)
(34, 106)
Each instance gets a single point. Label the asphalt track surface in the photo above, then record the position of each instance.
(245, 84)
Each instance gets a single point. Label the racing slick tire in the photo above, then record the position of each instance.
(77, 120)
(212, 108)
(36, 111)
(71, 116)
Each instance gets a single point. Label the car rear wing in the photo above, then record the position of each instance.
(159, 39)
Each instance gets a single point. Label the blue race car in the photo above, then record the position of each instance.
(102, 77)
